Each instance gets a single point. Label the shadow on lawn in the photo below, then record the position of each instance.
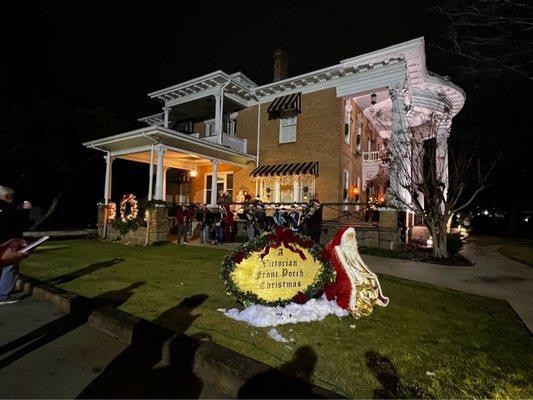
(81, 308)
(84, 271)
(289, 381)
(135, 372)
(387, 375)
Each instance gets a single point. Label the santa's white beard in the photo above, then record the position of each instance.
(350, 252)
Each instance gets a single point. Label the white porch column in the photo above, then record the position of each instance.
(219, 110)
(165, 169)
(441, 155)
(400, 163)
(151, 176)
(160, 150)
(214, 179)
(277, 189)
(108, 177)
(296, 190)
(166, 110)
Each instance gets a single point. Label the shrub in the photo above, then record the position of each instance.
(454, 243)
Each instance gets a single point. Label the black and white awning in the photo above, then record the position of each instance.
(291, 102)
(310, 168)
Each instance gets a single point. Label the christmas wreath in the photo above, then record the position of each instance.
(128, 201)
(264, 244)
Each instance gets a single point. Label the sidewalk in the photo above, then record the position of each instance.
(493, 275)
(45, 353)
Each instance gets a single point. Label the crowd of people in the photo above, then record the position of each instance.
(250, 219)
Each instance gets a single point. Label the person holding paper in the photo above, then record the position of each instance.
(12, 221)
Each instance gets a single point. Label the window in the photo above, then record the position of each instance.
(290, 189)
(210, 127)
(359, 131)
(224, 184)
(347, 122)
(287, 128)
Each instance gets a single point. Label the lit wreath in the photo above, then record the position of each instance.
(273, 240)
(132, 201)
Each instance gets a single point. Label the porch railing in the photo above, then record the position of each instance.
(372, 156)
(233, 142)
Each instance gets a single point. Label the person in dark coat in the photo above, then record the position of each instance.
(315, 220)
(12, 224)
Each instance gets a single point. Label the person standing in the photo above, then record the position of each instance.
(315, 220)
(228, 223)
(303, 225)
(12, 222)
(251, 222)
(278, 218)
(202, 216)
(182, 217)
(219, 225)
(294, 219)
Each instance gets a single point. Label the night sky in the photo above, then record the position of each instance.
(112, 54)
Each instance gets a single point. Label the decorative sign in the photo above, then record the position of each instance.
(276, 268)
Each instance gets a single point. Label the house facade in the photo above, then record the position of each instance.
(319, 133)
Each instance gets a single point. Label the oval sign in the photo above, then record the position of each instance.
(274, 268)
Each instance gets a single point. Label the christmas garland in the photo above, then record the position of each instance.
(273, 240)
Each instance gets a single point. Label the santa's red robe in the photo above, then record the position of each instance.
(341, 290)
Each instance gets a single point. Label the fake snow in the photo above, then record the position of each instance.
(274, 334)
(262, 316)
(352, 326)
(429, 373)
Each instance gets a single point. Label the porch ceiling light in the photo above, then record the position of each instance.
(193, 173)
(373, 98)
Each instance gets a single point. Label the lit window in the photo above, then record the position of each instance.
(287, 129)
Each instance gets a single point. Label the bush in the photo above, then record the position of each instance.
(454, 243)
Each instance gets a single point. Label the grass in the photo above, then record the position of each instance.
(517, 249)
(429, 342)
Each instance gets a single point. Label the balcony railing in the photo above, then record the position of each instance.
(233, 142)
(372, 156)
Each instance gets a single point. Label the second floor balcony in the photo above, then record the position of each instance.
(206, 108)
(373, 156)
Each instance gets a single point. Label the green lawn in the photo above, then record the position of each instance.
(518, 249)
(429, 342)
(522, 252)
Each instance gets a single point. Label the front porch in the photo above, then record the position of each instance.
(181, 168)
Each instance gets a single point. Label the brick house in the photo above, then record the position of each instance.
(285, 140)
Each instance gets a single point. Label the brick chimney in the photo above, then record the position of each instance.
(281, 63)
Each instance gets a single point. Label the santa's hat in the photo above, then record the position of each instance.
(337, 238)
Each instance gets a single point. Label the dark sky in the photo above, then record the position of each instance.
(112, 54)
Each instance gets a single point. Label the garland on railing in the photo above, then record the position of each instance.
(151, 204)
(273, 240)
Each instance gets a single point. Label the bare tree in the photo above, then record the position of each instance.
(492, 37)
(429, 178)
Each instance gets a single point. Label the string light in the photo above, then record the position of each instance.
(112, 211)
(132, 201)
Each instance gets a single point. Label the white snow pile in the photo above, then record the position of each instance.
(274, 334)
(262, 316)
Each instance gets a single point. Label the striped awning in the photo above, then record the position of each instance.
(310, 168)
(291, 102)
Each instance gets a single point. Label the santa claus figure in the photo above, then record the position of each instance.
(357, 288)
